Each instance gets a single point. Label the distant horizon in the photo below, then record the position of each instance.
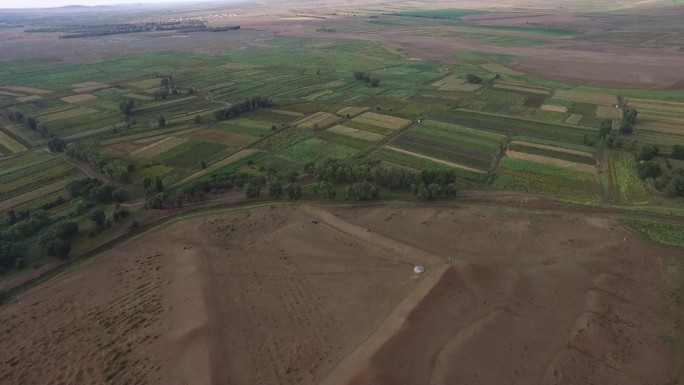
(25, 4)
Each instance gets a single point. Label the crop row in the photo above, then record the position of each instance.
(284, 139)
(313, 150)
(9, 143)
(159, 147)
(33, 181)
(18, 163)
(345, 140)
(474, 140)
(670, 234)
(624, 179)
(553, 154)
(537, 178)
(29, 170)
(443, 152)
(418, 163)
(191, 157)
(518, 126)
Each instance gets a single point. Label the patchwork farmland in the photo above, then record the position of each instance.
(340, 193)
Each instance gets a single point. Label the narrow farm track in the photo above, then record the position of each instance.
(211, 98)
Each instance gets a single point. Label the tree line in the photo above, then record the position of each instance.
(85, 197)
(54, 143)
(247, 105)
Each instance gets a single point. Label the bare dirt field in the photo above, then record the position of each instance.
(327, 295)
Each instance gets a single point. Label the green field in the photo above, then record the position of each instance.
(537, 178)
(624, 180)
(310, 100)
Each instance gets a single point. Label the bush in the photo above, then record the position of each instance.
(648, 152)
(649, 170)
(677, 152)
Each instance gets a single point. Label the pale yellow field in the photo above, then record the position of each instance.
(29, 98)
(88, 84)
(218, 165)
(552, 148)
(660, 124)
(12, 94)
(586, 97)
(67, 113)
(354, 133)
(84, 90)
(451, 80)
(658, 105)
(285, 112)
(78, 98)
(157, 148)
(552, 161)
(535, 91)
(27, 90)
(574, 119)
(550, 107)
(608, 112)
(462, 88)
(454, 83)
(497, 68)
(9, 143)
(321, 119)
(444, 162)
(352, 111)
(384, 121)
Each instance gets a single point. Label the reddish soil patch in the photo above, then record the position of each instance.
(123, 148)
(288, 295)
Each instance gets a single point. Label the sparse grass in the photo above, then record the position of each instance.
(670, 234)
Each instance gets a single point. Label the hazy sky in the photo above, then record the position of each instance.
(60, 3)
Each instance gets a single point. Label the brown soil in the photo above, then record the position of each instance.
(306, 295)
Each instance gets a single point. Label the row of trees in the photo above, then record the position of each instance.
(98, 159)
(54, 143)
(365, 180)
(21, 226)
(473, 79)
(245, 106)
(367, 79)
(671, 180)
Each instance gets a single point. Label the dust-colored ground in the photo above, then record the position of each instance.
(312, 295)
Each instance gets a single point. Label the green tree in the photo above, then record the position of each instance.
(293, 191)
(629, 115)
(274, 186)
(126, 107)
(648, 152)
(375, 82)
(55, 144)
(473, 79)
(606, 128)
(120, 195)
(98, 217)
(677, 152)
(162, 121)
(198, 119)
(252, 190)
(31, 124)
(325, 189)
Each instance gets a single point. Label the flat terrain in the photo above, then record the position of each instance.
(326, 295)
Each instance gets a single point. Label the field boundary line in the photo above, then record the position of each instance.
(444, 162)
